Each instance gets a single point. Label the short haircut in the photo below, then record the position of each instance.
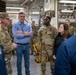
(48, 17)
(21, 13)
(67, 20)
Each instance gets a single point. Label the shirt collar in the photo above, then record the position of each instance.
(21, 23)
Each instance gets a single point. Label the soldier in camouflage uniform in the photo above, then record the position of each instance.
(47, 34)
(11, 35)
(34, 37)
(5, 41)
(72, 30)
(10, 29)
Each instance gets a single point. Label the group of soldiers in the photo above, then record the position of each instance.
(46, 35)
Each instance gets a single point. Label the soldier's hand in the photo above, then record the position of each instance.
(19, 32)
(14, 45)
(54, 57)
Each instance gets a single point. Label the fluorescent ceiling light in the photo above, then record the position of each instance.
(14, 8)
(34, 12)
(12, 12)
(67, 11)
(74, 2)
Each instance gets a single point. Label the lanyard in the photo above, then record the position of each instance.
(22, 26)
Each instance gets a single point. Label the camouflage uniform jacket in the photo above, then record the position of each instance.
(35, 30)
(47, 34)
(5, 41)
(72, 30)
(10, 30)
(34, 37)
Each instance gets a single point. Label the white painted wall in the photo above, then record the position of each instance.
(35, 18)
(49, 5)
(14, 17)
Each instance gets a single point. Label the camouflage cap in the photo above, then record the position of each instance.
(3, 15)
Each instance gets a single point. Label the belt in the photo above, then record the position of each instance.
(22, 43)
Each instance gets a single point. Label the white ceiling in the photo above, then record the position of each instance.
(17, 1)
(14, 3)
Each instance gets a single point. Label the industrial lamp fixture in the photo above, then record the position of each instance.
(63, 1)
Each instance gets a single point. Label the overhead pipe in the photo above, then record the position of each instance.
(24, 2)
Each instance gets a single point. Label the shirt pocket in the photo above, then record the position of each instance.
(50, 34)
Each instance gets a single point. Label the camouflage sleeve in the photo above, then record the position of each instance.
(39, 35)
(55, 32)
(74, 30)
(8, 47)
(6, 41)
(10, 30)
(39, 39)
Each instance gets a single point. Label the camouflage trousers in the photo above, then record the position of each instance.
(8, 66)
(32, 41)
(46, 51)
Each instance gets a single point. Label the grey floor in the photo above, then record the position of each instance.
(35, 68)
